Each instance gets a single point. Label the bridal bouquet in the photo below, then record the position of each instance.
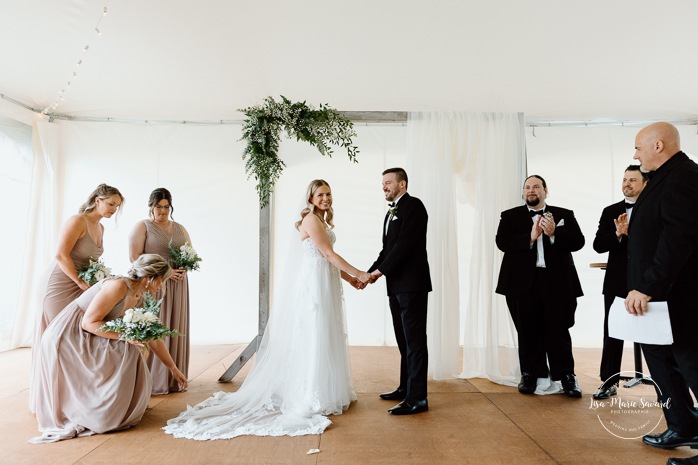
(185, 257)
(95, 272)
(140, 324)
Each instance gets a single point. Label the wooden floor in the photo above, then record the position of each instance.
(469, 422)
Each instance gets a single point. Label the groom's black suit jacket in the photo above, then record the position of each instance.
(516, 275)
(403, 259)
(663, 243)
(615, 282)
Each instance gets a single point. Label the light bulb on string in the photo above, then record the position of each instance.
(61, 95)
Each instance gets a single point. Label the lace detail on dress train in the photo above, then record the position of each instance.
(301, 371)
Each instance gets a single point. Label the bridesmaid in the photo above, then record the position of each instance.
(88, 380)
(80, 239)
(153, 236)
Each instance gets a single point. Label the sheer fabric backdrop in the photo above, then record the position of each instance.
(478, 159)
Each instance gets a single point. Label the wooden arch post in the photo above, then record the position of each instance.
(264, 292)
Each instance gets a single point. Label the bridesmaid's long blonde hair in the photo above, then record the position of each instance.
(310, 208)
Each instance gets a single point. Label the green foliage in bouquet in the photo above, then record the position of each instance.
(184, 257)
(262, 127)
(140, 324)
(95, 272)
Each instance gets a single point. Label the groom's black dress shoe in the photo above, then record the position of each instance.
(409, 407)
(527, 384)
(570, 386)
(397, 394)
(605, 392)
(686, 461)
(670, 439)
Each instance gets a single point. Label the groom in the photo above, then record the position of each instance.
(403, 261)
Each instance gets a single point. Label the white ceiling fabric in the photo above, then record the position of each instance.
(179, 59)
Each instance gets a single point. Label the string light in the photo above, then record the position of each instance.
(61, 94)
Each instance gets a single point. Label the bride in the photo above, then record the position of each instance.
(302, 368)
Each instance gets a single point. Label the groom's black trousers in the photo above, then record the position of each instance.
(409, 312)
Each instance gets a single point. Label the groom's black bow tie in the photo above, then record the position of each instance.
(629, 205)
(537, 212)
(391, 204)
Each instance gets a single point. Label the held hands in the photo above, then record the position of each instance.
(636, 303)
(621, 225)
(356, 284)
(364, 278)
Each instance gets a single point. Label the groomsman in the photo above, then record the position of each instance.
(612, 237)
(541, 286)
(663, 266)
(403, 261)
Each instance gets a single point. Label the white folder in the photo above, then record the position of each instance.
(653, 327)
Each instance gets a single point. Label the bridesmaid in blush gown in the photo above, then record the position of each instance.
(301, 372)
(89, 381)
(153, 236)
(80, 239)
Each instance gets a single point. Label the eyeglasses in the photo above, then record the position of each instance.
(163, 207)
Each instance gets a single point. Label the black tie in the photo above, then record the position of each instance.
(391, 204)
(629, 205)
(536, 212)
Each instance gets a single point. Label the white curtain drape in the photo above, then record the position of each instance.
(42, 227)
(480, 159)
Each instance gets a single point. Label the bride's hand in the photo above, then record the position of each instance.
(355, 283)
(364, 277)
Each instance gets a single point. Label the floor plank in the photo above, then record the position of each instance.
(471, 421)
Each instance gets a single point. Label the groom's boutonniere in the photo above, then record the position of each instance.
(393, 212)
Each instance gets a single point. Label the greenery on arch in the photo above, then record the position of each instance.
(321, 128)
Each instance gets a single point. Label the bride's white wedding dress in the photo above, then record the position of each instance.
(301, 372)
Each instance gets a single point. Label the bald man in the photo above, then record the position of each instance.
(663, 266)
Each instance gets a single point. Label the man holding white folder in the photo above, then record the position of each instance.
(663, 266)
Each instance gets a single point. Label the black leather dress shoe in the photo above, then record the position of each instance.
(570, 386)
(686, 461)
(409, 407)
(397, 394)
(669, 440)
(604, 392)
(527, 385)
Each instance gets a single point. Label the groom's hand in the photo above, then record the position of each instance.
(375, 274)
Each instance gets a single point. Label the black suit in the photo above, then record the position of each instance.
(403, 262)
(542, 301)
(663, 263)
(615, 284)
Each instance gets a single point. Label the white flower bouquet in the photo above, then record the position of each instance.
(140, 324)
(95, 272)
(185, 257)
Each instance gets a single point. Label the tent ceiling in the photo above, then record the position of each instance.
(179, 59)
